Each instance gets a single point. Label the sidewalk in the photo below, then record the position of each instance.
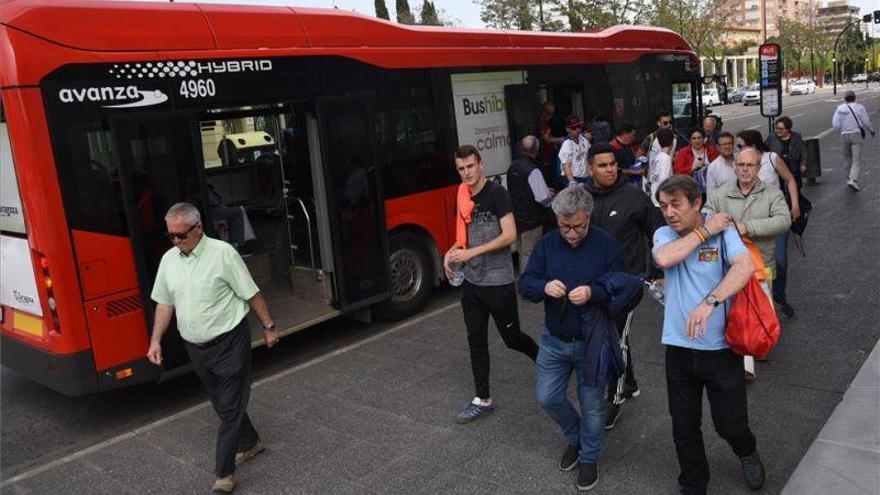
(845, 458)
(377, 417)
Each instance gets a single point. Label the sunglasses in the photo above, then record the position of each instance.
(182, 235)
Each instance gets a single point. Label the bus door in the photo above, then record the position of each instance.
(523, 110)
(158, 167)
(354, 199)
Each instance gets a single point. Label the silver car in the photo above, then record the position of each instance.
(752, 95)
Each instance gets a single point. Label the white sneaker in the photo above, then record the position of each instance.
(853, 185)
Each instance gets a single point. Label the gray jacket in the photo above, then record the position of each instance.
(764, 213)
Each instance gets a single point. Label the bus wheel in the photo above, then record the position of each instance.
(411, 277)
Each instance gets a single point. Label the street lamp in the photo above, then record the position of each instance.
(866, 72)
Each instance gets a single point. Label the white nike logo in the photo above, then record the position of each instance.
(613, 212)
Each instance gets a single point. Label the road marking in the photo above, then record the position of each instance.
(755, 126)
(794, 116)
(152, 426)
(823, 133)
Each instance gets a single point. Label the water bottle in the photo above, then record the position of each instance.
(655, 289)
(457, 277)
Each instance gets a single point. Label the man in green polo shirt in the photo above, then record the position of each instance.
(206, 284)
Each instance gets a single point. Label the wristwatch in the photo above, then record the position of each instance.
(711, 300)
(270, 326)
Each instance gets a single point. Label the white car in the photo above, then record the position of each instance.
(752, 95)
(710, 97)
(860, 78)
(801, 87)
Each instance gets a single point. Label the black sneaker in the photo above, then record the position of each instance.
(631, 390)
(784, 308)
(753, 471)
(588, 476)
(612, 414)
(570, 458)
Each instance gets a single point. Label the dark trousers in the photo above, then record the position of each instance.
(720, 372)
(477, 303)
(630, 377)
(224, 367)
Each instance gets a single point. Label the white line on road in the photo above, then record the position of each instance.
(823, 133)
(143, 429)
(755, 126)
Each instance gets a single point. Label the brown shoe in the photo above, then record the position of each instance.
(241, 457)
(224, 485)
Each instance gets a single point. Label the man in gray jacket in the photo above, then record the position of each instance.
(760, 213)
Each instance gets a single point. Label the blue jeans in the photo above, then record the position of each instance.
(779, 282)
(556, 360)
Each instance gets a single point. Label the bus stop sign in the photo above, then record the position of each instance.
(771, 79)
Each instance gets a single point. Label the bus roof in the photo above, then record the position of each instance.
(101, 30)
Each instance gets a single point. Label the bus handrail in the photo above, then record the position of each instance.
(305, 211)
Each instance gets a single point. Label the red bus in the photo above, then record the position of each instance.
(320, 140)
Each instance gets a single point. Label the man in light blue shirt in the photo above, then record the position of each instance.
(692, 251)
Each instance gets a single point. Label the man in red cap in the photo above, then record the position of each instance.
(573, 153)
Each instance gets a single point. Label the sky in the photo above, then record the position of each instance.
(466, 13)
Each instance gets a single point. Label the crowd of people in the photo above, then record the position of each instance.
(597, 220)
(594, 217)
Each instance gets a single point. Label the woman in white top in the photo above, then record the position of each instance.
(573, 153)
(773, 168)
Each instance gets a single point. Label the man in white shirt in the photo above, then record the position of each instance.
(722, 171)
(573, 153)
(661, 166)
(851, 119)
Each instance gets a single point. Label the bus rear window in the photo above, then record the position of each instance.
(88, 168)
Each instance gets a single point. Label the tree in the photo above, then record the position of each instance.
(428, 14)
(381, 10)
(700, 23)
(508, 14)
(404, 15)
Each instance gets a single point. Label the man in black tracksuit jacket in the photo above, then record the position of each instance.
(628, 214)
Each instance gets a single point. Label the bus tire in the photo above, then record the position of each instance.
(411, 274)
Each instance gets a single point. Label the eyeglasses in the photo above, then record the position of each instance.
(182, 235)
(781, 128)
(580, 228)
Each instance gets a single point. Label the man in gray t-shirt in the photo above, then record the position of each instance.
(488, 287)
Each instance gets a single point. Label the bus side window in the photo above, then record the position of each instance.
(90, 184)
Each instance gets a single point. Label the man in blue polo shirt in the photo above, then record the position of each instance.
(692, 251)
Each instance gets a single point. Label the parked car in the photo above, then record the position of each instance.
(874, 76)
(860, 78)
(711, 97)
(801, 87)
(752, 95)
(736, 95)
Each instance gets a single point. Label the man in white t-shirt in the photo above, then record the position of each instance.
(573, 153)
(722, 171)
(661, 166)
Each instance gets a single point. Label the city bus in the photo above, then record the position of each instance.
(317, 141)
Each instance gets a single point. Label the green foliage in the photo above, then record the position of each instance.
(429, 14)
(404, 14)
(381, 10)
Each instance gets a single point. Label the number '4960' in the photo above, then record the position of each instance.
(197, 88)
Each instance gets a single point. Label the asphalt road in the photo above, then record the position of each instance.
(38, 425)
(811, 114)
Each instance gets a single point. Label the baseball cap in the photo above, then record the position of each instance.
(573, 121)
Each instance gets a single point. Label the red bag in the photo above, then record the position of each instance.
(752, 326)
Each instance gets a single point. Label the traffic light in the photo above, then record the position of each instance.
(877, 17)
(866, 18)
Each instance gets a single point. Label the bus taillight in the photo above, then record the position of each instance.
(50, 293)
